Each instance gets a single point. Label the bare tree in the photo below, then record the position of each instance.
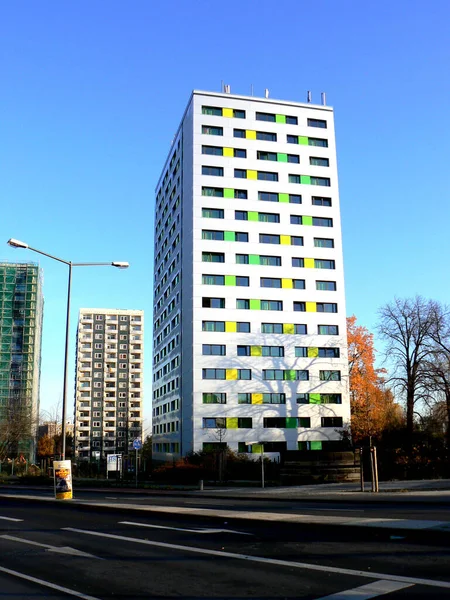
(17, 430)
(407, 326)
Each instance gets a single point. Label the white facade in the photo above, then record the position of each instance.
(109, 381)
(227, 189)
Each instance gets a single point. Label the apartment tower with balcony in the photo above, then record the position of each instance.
(109, 382)
(249, 306)
(21, 313)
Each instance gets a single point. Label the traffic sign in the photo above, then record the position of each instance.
(137, 444)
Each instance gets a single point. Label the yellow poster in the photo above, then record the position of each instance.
(63, 479)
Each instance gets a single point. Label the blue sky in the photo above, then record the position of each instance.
(92, 94)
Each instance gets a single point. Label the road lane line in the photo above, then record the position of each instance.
(58, 549)
(371, 590)
(181, 529)
(10, 519)
(48, 584)
(260, 559)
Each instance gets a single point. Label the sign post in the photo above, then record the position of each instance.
(63, 479)
(137, 445)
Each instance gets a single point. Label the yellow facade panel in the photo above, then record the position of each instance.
(231, 374)
(309, 263)
(228, 152)
(285, 240)
(227, 112)
(257, 398)
(286, 283)
(230, 326)
(250, 135)
(310, 307)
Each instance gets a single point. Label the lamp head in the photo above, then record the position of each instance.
(17, 243)
(120, 265)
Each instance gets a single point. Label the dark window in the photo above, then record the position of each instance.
(270, 282)
(213, 373)
(239, 133)
(244, 423)
(242, 281)
(213, 213)
(331, 398)
(212, 130)
(243, 327)
(270, 261)
(240, 173)
(212, 110)
(294, 178)
(323, 243)
(299, 306)
(296, 220)
(317, 123)
(241, 215)
(266, 155)
(291, 120)
(240, 153)
(320, 201)
(213, 150)
(217, 423)
(211, 191)
(268, 217)
(296, 240)
(328, 286)
(213, 279)
(331, 422)
(298, 284)
(329, 353)
(268, 196)
(215, 257)
(238, 114)
(265, 117)
(301, 352)
(214, 398)
(279, 422)
(264, 136)
(213, 171)
(293, 158)
(292, 139)
(322, 222)
(243, 350)
(328, 330)
(214, 350)
(329, 375)
(242, 259)
(298, 262)
(318, 161)
(329, 307)
(241, 236)
(320, 142)
(271, 327)
(208, 234)
(274, 398)
(242, 304)
(303, 398)
(271, 305)
(323, 181)
(213, 302)
(267, 176)
(295, 199)
(241, 194)
(301, 329)
(267, 238)
(304, 422)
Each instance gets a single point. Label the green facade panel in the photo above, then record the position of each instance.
(283, 197)
(230, 279)
(280, 118)
(316, 445)
(282, 157)
(253, 259)
(229, 236)
(306, 220)
(252, 215)
(291, 422)
(314, 399)
(228, 193)
(305, 179)
(290, 375)
(255, 304)
(303, 140)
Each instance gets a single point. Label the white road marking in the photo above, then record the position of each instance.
(371, 590)
(270, 561)
(52, 586)
(111, 498)
(10, 519)
(59, 550)
(181, 529)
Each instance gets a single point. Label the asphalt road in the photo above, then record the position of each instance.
(95, 554)
(396, 509)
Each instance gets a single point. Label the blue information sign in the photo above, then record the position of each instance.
(137, 444)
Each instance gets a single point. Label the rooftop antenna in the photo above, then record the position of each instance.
(324, 98)
(227, 89)
(266, 93)
(308, 96)
(251, 89)
(221, 85)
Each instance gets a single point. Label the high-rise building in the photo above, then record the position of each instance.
(109, 382)
(21, 312)
(249, 305)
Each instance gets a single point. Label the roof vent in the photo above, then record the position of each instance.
(266, 93)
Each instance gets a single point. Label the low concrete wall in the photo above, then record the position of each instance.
(319, 467)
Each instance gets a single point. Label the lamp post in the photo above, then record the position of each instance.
(261, 444)
(120, 265)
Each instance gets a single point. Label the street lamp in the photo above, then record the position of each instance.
(261, 444)
(119, 265)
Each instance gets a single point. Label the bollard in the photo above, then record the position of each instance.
(200, 485)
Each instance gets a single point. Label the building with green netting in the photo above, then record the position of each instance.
(21, 311)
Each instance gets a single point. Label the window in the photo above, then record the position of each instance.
(242, 281)
(244, 423)
(328, 330)
(243, 350)
(329, 307)
(329, 352)
(301, 329)
(212, 150)
(267, 238)
(319, 142)
(266, 137)
(265, 117)
(214, 171)
(212, 192)
(241, 236)
(321, 263)
(244, 374)
(268, 196)
(213, 213)
(213, 279)
(321, 222)
(298, 262)
(329, 375)
(296, 220)
(329, 286)
(244, 398)
(271, 305)
(241, 194)
(217, 423)
(213, 302)
(271, 327)
(213, 257)
(279, 422)
(298, 284)
(294, 178)
(323, 181)
(211, 130)
(270, 282)
(208, 234)
(300, 306)
(291, 120)
(214, 373)
(293, 158)
(242, 259)
(243, 327)
(260, 155)
(274, 398)
(320, 201)
(274, 351)
(331, 398)
(301, 352)
(304, 422)
(303, 398)
(268, 217)
(267, 176)
(239, 153)
(214, 398)
(295, 199)
(242, 304)
(331, 422)
(238, 114)
(239, 133)
(317, 123)
(218, 326)
(270, 261)
(319, 161)
(273, 374)
(212, 110)
(241, 215)
(214, 350)
(323, 243)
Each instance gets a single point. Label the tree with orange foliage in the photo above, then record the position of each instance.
(373, 408)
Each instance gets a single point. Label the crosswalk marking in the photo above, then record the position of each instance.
(371, 590)
(11, 519)
(181, 529)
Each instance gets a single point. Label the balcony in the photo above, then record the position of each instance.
(82, 438)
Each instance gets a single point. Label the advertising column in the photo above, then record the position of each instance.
(63, 479)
